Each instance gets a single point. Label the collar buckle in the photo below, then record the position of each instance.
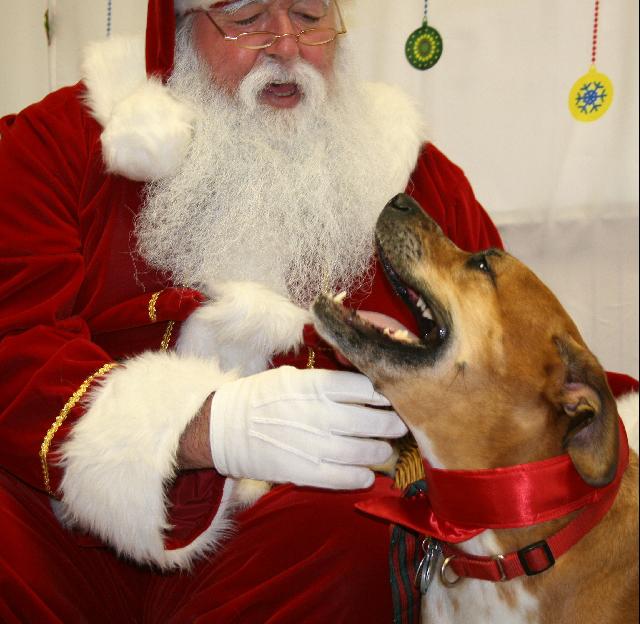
(503, 575)
(530, 558)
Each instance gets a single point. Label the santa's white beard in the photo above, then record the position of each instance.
(283, 197)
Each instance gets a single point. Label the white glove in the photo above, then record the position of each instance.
(308, 427)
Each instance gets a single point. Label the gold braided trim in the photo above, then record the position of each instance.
(69, 405)
(409, 467)
(164, 345)
(152, 306)
(311, 360)
(153, 317)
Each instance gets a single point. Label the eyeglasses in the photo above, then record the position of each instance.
(258, 40)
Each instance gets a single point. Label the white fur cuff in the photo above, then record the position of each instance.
(121, 455)
(244, 325)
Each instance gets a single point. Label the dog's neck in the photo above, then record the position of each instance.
(458, 429)
(546, 500)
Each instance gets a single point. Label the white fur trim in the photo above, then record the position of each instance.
(146, 129)
(243, 326)
(247, 491)
(148, 134)
(401, 128)
(112, 70)
(120, 456)
(182, 6)
(628, 408)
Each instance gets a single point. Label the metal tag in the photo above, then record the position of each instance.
(428, 565)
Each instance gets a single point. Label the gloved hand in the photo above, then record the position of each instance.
(308, 427)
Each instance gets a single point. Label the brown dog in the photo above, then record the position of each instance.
(500, 377)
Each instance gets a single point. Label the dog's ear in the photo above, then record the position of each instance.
(585, 397)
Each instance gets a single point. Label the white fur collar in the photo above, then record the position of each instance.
(147, 130)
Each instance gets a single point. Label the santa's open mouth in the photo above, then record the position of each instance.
(282, 89)
(351, 329)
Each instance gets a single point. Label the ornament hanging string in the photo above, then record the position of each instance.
(50, 27)
(594, 44)
(108, 18)
(592, 94)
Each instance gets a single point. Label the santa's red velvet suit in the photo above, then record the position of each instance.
(104, 364)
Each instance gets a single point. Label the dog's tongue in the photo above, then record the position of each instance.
(382, 321)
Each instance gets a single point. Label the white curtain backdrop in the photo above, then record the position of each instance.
(563, 193)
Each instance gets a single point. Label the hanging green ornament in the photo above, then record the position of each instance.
(592, 94)
(424, 45)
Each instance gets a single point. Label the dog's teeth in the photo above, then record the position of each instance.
(421, 304)
(402, 335)
(427, 314)
(340, 297)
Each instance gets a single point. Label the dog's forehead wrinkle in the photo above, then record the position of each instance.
(479, 338)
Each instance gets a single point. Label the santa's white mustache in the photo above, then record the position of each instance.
(309, 82)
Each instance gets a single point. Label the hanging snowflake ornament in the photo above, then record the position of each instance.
(592, 94)
(424, 45)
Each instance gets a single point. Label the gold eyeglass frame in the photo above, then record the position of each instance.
(237, 38)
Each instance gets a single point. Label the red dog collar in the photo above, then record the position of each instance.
(460, 504)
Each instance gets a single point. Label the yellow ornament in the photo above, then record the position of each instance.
(590, 96)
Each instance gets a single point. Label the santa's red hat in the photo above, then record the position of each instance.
(160, 38)
(161, 31)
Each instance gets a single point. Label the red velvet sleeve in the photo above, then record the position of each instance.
(46, 352)
(53, 336)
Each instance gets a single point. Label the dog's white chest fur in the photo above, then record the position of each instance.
(474, 601)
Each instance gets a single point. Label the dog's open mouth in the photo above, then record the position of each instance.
(354, 330)
(433, 329)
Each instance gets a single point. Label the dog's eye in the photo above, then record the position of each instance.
(483, 265)
(480, 263)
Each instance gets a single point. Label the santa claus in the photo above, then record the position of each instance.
(166, 223)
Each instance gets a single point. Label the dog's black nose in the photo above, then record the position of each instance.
(403, 209)
(402, 203)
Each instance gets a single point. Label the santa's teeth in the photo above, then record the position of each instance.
(387, 332)
(340, 297)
